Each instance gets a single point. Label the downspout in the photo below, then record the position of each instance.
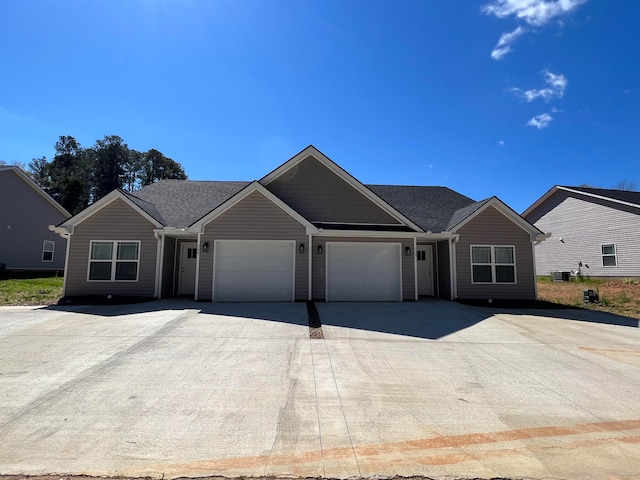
(415, 267)
(156, 288)
(310, 292)
(455, 267)
(437, 270)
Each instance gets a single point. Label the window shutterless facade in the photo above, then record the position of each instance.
(114, 260)
(609, 255)
(493, 264)
(48, 246)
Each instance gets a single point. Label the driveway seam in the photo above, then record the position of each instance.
(97, 368)
(315, 388)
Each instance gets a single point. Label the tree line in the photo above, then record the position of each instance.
(78, 176)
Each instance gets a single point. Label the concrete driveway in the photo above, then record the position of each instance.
(179, 388)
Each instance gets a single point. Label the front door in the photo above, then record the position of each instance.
(425, 269)
(188, 259)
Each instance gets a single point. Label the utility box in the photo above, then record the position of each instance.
(590, 296)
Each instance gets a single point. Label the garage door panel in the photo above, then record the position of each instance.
(363, 272)
(254, 271)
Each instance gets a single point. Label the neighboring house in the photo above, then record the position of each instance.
(307, 230)
(26, 211)
(593, 231)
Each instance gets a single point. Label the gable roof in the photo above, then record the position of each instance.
(182, 202)
(24, 177)
(198, 225)
(432, 208)
(344, 175)
(623, 197)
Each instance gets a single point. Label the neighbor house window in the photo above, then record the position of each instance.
(114, 260)
(48, 247)
(493, 264)
(609, 258)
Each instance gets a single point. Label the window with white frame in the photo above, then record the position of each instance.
(493, 264)
(114, 260)
(48, 246)
(609, 257)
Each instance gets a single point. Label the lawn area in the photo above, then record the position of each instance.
(620, 296)
(30, 289)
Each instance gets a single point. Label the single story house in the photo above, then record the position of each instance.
(307, 230)
(26, 212)
(594, 231)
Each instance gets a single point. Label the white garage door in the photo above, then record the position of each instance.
(363, 272)
(253, 271)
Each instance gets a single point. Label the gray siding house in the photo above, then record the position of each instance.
(306, 231)
(26, 211)
(591, 230)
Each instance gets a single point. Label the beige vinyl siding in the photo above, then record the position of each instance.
(254, 218)
(492, 228)
(25, 216)
(168, 266)
(116, 221)
(319, 274)
(584, 224)
(444, 270)
(319, 195)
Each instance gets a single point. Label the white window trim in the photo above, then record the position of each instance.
(44, 250)
(614, 255)
(114, 260)
(493, 265)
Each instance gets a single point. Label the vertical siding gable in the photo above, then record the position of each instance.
(29, 216)
(584, 224)
(115, 221)
(255, 217)
(491, 227)
(319, 195)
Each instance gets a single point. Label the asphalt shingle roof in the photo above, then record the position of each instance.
(182, 202)
(179, 203)
(620, 195)
(431, 208)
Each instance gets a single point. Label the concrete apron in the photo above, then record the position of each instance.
(231, 391)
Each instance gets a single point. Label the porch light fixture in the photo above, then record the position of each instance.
(301, 248)
(319, 249)
(407, 252)
(205, 247)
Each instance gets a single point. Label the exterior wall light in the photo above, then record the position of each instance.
(319, 249)
(407, 252)
(301, 248)
(205, 247)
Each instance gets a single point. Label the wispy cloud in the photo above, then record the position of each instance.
(504, 44)
(501, 143)
(534, 12)
(540, 121)
(556, 84)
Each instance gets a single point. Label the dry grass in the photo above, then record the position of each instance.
(616, 296)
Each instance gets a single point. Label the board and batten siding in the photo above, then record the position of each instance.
(255, 217)
(585, 224)
(318, 282)
(319, 195)
(25, 216)
(491, 227)
(115, 221)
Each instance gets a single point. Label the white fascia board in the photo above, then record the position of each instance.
(198, 226)
(507, 212)
(175, 232)
(99, 205)
(344, 175)
(35, 186)
(540, 201)
(600, 197)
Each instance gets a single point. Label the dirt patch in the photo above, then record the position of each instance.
(103, 300)
(315, 325)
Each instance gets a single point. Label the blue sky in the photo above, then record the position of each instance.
(497, 97)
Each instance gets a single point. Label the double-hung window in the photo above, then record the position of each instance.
(609, 258)
(48, 246)
(114, 260)
(493, 264)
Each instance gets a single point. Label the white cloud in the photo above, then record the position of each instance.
(501, 143)
(556, 110)
(540, 121)
(504, 44)
(555, 87)
(534, 12)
